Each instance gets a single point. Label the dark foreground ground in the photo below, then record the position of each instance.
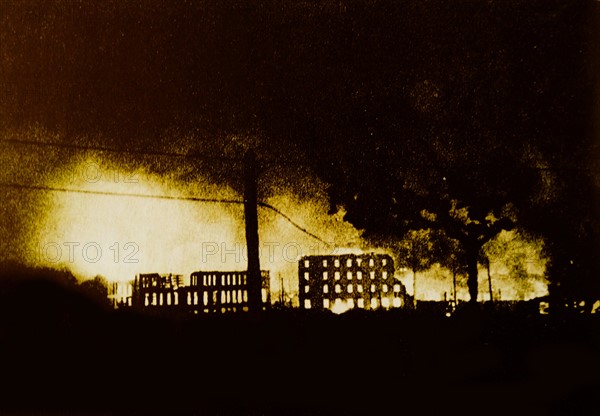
(63, 355)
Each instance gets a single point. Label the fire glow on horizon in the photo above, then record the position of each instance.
(120, 236)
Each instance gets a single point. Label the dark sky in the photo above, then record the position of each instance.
(314, 82)
(136, 71)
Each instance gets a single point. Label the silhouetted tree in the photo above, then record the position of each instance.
(96, 289)
(570, 226)
(452, 257)
(467, 143)
(417, 252)
(452, 109)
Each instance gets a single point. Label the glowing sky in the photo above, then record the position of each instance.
(120, 236)
(310, 81)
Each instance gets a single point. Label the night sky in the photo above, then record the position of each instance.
(317, 88)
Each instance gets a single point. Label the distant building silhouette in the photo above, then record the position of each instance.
(223, 291)
(208, 292)
(341, 282)
(120, 294)
(156, 290)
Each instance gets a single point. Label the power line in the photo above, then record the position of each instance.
(149, 153)
(304, 230)
(113, 150)
(163, 197)
(106, 193)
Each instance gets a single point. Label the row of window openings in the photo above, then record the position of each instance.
(211, 280)
(350, 288)
(228, 296)
(385, 303)
(159, 299)
(349, 275)
(336, 262)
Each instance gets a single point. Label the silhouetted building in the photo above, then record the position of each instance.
(220, 292)
(153, 290)
(120, 294)
(208, 292)
(341, 282)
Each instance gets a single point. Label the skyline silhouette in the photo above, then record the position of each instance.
(217, 154)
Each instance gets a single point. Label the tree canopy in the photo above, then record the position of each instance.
(466, 116)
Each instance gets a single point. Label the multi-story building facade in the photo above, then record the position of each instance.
(207, 292)
(120, 294)
(342, 282)
(151, 290)
(220, 292)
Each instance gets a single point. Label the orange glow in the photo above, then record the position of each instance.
(118, 237)
(121, 236)
(340, 306)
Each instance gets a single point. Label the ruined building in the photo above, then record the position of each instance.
(342, 282)
(207, 292)
(155, 290)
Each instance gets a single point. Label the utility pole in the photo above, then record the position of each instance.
(414, 289)
(454, 285)
(489, 279)
(282, 297)
(251, 221)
